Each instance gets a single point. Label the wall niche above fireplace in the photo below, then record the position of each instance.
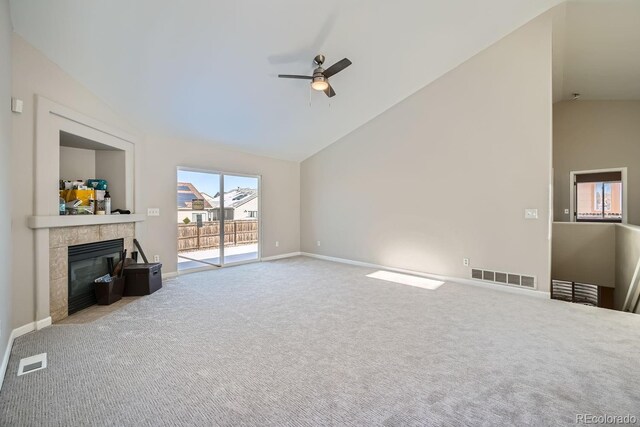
(82, 159)
(68, 143)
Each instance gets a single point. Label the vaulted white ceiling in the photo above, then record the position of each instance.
(207, 69)
(597, 50)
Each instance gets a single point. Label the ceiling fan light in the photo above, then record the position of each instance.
(319, 84)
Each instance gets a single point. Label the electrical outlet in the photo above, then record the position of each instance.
(318, 242)
(156, 258)
(153, 212)
(531, 214)
(465, 262)
(277, 244)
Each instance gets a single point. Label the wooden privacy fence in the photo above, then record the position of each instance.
(192, 238)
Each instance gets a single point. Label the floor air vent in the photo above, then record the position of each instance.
(32, 364)
(504, 278)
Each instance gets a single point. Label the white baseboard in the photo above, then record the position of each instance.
(5, 360)
(41, 324)
(24, 329)
(473, 282)
(281, 256)
(18, 332)
(213, 267)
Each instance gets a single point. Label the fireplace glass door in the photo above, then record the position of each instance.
(87, 263)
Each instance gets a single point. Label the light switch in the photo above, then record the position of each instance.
(566, 211)
(531, 214)
(153, 212)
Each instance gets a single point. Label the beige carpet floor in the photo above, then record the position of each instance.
(305, 342)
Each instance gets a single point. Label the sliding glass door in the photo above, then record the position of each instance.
(241, 220)
(198, 219)
(218, 218)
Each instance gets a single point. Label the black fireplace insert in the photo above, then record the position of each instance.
(86, 263)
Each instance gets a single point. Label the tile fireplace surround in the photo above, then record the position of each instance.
(59, 241)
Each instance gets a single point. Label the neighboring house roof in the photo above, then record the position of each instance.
(212, 200)
(186, 193)
(232, 198)
(240, 196)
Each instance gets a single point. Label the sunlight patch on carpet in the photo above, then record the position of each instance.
(406, 279)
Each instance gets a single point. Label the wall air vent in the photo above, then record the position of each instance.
(528, 281)
(504, 278)
(488, 275)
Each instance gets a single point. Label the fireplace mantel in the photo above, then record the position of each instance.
(53, 221)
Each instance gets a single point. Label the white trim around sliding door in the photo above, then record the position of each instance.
(222, 213)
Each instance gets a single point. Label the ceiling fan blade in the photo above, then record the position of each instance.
(336, 68)
(294, 76)
(330, 92)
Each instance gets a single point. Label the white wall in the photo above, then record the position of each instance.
(77, 163)
(159, 158)
(110, 166)
(590, 135)
(575, 259)
(34, 74)
(446, 173)
(5, 180)
(627, 254)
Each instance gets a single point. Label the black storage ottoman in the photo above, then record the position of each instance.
(142, 279)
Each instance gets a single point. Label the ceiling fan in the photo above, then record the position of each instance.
(320, 78)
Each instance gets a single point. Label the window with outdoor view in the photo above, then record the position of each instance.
(598, 197)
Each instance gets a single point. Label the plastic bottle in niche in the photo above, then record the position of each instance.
(107, 203)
